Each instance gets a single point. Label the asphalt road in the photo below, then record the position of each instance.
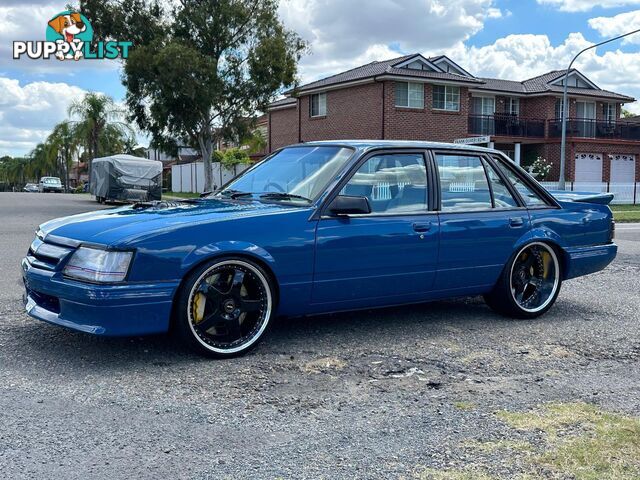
(376, 394)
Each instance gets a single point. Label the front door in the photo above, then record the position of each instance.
(389, 255)
(480, 222)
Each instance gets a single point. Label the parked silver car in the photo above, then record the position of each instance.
(50, 184)
(31, 187)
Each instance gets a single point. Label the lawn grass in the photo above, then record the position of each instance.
(583, 441)
(181, 194)
(626, 213)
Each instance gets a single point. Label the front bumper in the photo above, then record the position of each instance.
(584, 260)
(110, 310)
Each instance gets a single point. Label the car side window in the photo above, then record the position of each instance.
(502, 197)
(393, 183)
(463, 183)
(531, 198)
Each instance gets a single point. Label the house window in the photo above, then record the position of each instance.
(409, 94)
(513, 106)
(318, 105)
(446, 97)
(609, 112)
(483, 105)
(559, 109)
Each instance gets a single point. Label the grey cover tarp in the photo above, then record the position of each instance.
(125, 177)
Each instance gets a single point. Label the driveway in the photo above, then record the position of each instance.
(375, 394)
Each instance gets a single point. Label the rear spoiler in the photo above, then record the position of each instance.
(582, 197)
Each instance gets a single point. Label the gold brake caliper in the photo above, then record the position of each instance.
(199, 303)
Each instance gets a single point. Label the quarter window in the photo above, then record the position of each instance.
(393, 183)
(409, 94)
(318, 105)
(531, 198)
(446, 97)
(463, 183)
(502, 197)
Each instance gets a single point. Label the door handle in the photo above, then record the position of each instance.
(422, 227)
(516, 222)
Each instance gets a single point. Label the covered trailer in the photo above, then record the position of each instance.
(126, 178)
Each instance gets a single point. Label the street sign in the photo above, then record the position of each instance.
(473, 140)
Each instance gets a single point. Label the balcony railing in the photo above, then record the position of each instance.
(588, 128)
(505, 125)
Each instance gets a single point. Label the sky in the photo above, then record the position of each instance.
(511, 39)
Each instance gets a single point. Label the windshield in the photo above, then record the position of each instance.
(50, 180)
(298, 174)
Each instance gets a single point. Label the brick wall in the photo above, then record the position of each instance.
(352, 113)
(283, 128)
(426, 123)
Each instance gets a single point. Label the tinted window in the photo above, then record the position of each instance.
(392, 183)
(531, 199)
(502, 197)
(463, 183)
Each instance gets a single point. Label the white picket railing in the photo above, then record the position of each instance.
(623, 193)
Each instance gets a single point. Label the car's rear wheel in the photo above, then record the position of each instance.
(224, 307)
(529, 283)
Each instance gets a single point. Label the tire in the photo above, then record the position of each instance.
(529, 283)
(224, 307)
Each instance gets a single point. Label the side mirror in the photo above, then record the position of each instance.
(349, 204)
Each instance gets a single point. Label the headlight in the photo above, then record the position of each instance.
(97, 265)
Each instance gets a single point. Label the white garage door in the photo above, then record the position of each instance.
(588, 167)
(623, 168)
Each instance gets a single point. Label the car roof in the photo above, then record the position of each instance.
(371, 144)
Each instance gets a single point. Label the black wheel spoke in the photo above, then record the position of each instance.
(209, 321)
(233, 329)
(249, 306)
(236, 283)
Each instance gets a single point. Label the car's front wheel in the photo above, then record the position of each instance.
(529, 283)
(224, 307)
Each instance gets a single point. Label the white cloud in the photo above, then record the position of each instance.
(617, 25)
(586, 5)
(29, 112)
(345, 34)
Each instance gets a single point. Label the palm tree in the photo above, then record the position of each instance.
(63, 145)
(97, 115)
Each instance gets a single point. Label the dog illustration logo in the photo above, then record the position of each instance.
(73, 29)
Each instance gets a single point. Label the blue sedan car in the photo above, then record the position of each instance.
(314, 228)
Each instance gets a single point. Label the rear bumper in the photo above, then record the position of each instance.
(585, 260)
(110, 310)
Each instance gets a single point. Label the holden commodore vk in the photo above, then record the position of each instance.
(315, 228)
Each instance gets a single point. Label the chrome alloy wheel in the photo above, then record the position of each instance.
(534, 277)
(229, 306)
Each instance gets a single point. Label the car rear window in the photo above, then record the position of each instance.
(531, 198)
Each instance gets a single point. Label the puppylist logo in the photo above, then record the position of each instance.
(69, 36)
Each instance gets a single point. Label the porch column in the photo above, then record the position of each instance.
(516, 153)
(492, 145)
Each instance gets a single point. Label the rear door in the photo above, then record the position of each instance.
(481, 220)
(389, 255)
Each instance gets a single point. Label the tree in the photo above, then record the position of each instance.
(99, 125)
(63, 144)
(624, 113)
(216, 63)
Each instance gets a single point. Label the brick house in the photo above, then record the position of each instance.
(418, 98)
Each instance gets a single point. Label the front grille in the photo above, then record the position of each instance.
(47, 256)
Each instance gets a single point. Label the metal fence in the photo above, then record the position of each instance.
(189, 177)
(624, 193)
